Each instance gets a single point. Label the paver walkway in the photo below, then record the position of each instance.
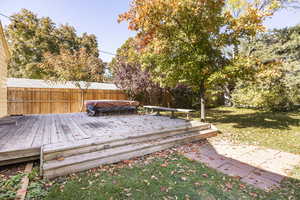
(261, 167)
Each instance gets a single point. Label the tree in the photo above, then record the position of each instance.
(129, 75)
(76, 66)
(30, 37)
(279, 50)
(183, 40)
(238, 8)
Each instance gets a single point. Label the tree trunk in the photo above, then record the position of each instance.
(235, 50)
(202, 102)
(227, 95)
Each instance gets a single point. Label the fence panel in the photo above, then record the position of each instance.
(53, 100)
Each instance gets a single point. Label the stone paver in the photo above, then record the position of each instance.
(240, 170)
(261, 167)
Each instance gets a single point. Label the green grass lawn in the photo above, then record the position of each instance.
(172, 176)
(279, 130)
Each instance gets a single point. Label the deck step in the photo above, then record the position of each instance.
(20, 155)
(65, 160)
(55, 151)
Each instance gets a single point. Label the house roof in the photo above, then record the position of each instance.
(37, 83)
(3, 41)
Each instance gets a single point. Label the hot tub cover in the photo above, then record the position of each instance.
(110, 103)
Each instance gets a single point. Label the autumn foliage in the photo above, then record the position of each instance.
(183, 40)
(72, 66)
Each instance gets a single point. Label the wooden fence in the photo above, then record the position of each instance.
(52, 100)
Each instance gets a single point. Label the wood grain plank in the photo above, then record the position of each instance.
(24, 140)
(11, 139)
(47, 130)
(81, 120)
(61, 133)
(78, 128)
(53, 135)
(21, 193)
(37, 140)
(53, 100)
(10, 128)
(19, 153)
(93, 159)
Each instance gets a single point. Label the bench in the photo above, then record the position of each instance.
(187, 111)
(172, 110)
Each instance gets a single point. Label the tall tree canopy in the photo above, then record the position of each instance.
(31, 37)
(183, 40)
(73, 66)
(129, 74)
(278, 86)
(241, 66)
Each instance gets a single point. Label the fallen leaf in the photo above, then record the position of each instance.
(127, 189)
(257, 173)
(228, 185)
(164, 165)
(183, 178)
(60, 158)
(62, 188)
(237, 177)
(126, 161)
(147, 182)
(163, 189)
(197, 184)
(128, 194)
(242, 186)
(187, 197)
(253, 194)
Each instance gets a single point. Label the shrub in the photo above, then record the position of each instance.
(275, 98)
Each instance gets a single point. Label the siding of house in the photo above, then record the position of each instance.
(4, 55)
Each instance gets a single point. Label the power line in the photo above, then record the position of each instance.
(8, 17)
(106, 52)
(11, 18)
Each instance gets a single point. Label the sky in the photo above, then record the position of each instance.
(99, 17)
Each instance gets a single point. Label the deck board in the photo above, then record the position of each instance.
(59, 131)
(14, 134)
(47, 131)
(53, 133)
(33, 131)
(40, 133)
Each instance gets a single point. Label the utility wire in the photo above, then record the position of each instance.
(8, 17)
(105, 52)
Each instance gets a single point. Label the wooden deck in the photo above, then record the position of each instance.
(68, 143)
(24, 140)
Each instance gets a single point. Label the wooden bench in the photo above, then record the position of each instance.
(172, 110)
(187, 111)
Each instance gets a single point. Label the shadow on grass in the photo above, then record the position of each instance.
(247, 118)
(256, 119)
